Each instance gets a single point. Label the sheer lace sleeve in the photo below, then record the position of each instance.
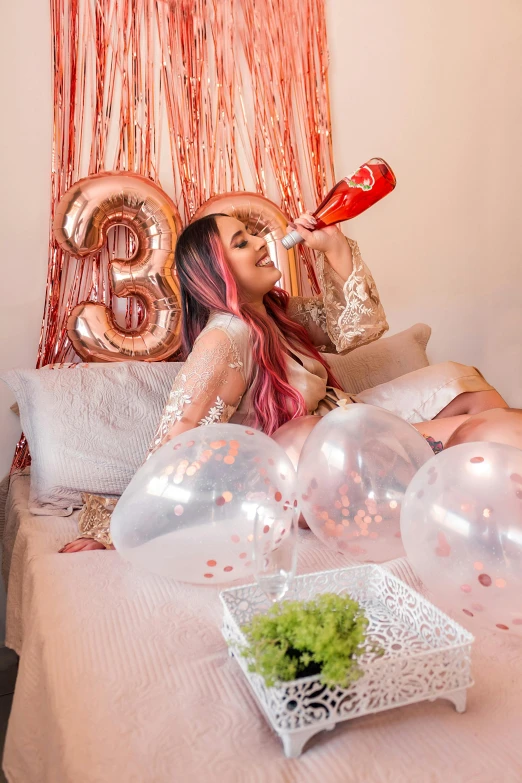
(208, 388)
(348, 314)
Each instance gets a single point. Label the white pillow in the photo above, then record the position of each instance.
(88, 427)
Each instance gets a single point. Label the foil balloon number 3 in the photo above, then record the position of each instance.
(83, 217)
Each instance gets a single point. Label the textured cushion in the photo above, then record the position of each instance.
(89, 427)
(381, 361)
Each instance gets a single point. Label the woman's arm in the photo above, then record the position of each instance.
(329, 241)
(349, 312)
(207, 390)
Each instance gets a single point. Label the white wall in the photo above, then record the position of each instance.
(25, 144)
(433, 87)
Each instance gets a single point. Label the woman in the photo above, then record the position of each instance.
(253, 352)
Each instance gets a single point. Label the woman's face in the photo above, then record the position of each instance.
(248, 259)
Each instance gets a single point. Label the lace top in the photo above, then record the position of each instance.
(216, 380)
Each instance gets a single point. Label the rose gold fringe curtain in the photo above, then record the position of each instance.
(203, 97)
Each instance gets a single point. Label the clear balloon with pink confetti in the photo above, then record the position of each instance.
(189, 512)
(353, 471)
(461, 527)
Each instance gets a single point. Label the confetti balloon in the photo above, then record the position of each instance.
(189, 511)
(353, 472)
(462, 531)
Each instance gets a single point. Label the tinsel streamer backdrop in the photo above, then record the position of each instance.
(202, 96)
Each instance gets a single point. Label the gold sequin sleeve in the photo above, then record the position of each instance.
(347, 314)
(94, 520)
(207, 390)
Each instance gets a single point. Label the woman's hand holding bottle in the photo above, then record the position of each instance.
(329, 240)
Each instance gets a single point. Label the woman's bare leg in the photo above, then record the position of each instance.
(472, 402)
(442, 427)
(82, 545)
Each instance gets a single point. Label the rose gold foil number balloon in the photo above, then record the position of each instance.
(84, 215)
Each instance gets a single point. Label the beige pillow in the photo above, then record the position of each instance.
(381, 361)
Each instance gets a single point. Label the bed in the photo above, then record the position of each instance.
(125, 676)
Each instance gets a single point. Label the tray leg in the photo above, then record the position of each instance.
(294, 743)
(458, 699)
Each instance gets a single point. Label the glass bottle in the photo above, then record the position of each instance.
(351, 196)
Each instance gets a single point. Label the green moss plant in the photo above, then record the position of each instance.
(299, 638)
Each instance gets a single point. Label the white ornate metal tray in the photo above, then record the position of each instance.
(426, 654)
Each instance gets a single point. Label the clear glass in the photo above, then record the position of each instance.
(275, 552)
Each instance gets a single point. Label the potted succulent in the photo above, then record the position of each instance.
(295, 639)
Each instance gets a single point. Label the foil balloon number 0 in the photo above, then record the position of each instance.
(263, 218)
(82, 219)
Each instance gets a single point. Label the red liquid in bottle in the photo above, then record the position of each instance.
(353, 195)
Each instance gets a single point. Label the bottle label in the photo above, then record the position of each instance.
(362, 178)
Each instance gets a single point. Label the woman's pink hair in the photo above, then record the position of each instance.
(206, 285)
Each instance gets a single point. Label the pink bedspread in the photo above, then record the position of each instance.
(125, 677)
